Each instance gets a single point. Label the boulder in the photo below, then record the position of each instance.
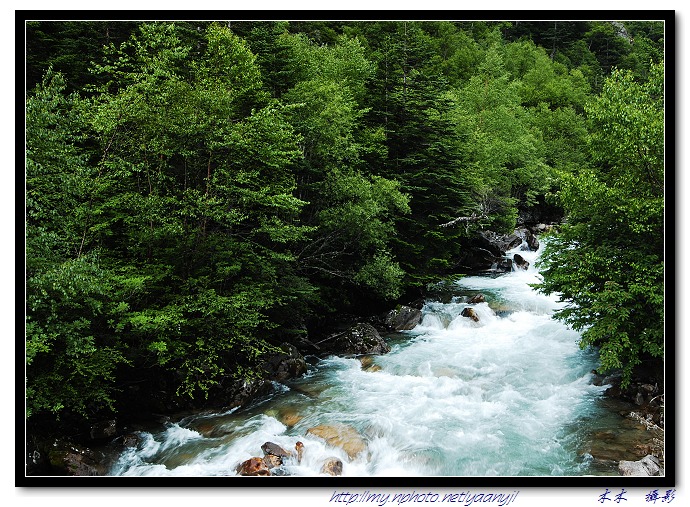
(66, 459)
(272, 461)
(129, 440)
(286, 364)
(470, 313)
(289, 417)
(520, 261)
(403, 318)
(478, 298)
(103, 430)
(253, 467)
(368, 364)
(647, 466)
(271, 449)
(532, 241)
(499, 244)
(359, 339)
(332, 466)
(241, 392)
(340, 435)
(503, 265)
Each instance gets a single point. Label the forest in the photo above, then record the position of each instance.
(199, 193)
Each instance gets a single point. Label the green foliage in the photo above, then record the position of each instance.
(608, 259)
(627, 131)
(70, 359)
(499, 140)
(209, 190)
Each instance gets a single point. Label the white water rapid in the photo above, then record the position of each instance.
(510, 395)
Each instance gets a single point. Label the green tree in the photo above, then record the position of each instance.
(608, 260)
(71, 352)
(177, 213)
(503, 148)
(350, 210)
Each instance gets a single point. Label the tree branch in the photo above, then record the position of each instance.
(472, 218)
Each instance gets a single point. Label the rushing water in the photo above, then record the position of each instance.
(510, 395)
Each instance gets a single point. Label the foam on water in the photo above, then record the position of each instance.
(501, 396)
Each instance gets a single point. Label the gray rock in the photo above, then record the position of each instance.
(647, 466)
(67, 459)
(403, 318)
(520, 261)
(272, 449)
(103, 430)
(332, 466)
(284, 365)
(359, 339)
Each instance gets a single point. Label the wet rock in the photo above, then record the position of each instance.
(503, 266)
(520, 261)
(272, 461)
(271, 449)
(243, 392)
(127, 441)
(289, 417)
(486, 250)
(470, 313)
(253, 467)
(299, 449)
(285, 365)
(66, 459)
(359, 339)
(501, 243)
(597, 378)
(647, 466)
(332, 466)
(532, 241)
(403, 318)
(479, 298)
(103, 430)
(274, 449)
(340, 435)
(368, 364)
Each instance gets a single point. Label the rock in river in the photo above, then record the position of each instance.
(340, 435)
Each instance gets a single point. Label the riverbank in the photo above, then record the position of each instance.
(621, 435)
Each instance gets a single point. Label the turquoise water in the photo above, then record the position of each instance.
(510, 395)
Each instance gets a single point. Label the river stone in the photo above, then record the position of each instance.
(478, 298)
(532, 241)
(130, 440)
(403, 318)
(647, 466)
(289, 417)
(272, 449)
(299, 449)
(359, 339)
(253, 467)
(103, 430)
(272, 461)
(368, 364)
(332, 466)
(520, 261)
(504, 266)
(340, 435)
(75, 460)
(286, 364)
(470, 313)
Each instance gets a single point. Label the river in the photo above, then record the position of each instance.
(509, 395)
